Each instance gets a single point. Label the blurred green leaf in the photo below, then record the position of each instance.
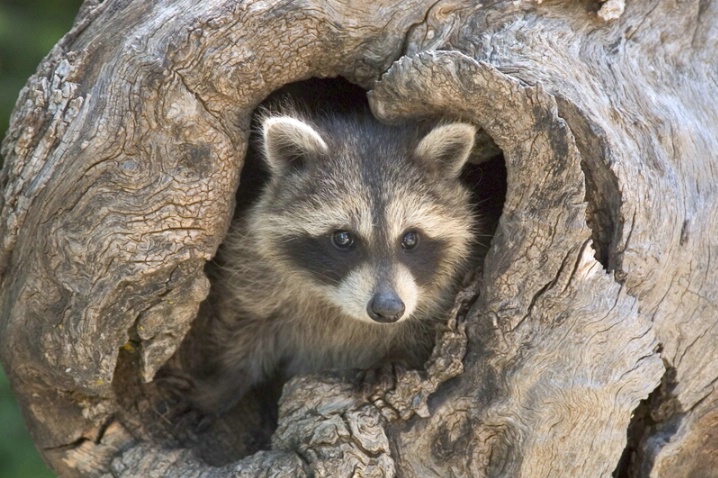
(28, 31)
(18, 457)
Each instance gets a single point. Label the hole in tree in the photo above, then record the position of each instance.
(652, 426)
(247, 427)
(603, 195)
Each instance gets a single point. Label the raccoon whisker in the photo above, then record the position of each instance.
(479, 203)
(424, 325)
(326, 307)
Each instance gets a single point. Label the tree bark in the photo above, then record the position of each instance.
(588, 345)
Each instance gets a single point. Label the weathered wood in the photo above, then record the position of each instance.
(554, 355)
(120, 170)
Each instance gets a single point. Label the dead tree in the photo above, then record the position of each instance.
(590, 344)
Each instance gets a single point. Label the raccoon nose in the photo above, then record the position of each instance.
(385, 307)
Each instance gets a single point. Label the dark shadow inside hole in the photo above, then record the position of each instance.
(487, 181)
(656, 420)
(603, 195)
(247, 428)
(319, 95)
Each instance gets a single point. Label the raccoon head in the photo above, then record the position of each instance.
(369, 218)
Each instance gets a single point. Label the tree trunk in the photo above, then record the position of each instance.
(589, 346)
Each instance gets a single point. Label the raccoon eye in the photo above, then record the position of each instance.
(410, 240)
(342, 240)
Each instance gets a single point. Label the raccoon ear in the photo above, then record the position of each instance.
(290, 143)
(447, 147)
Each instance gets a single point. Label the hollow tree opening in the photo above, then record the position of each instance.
(248, 426)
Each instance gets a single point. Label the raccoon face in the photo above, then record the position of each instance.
(372, 219)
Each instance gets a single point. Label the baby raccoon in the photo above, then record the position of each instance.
(353, 248)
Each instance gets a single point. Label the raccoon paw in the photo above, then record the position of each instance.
(174, 381)
(188, 400)
(379, 380)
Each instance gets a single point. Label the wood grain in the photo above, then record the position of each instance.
(123, 158)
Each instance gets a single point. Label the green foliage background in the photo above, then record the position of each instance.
(28, 30)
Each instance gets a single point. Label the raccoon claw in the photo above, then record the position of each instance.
(381, 379)
(175, 382)
(205, 423)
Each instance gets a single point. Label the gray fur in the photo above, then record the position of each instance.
(333, 173)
